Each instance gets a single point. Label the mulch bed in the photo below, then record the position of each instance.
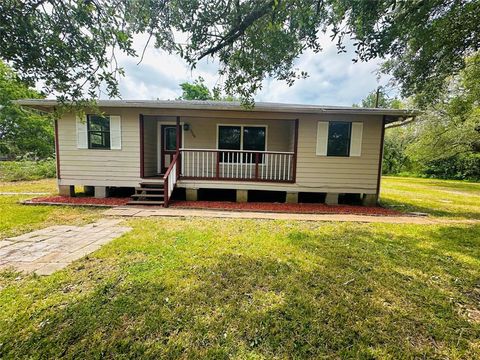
(287, 208)
(224, 205)
(78, 200)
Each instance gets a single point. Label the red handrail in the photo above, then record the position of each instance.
(165, 178)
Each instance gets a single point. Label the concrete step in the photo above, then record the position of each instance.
(148, 195)
(152, 184)
(146, 189)
(145, 202)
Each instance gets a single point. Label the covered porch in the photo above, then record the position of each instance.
(217, 149)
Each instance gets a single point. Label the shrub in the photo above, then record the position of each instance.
(466, 167)
(27, 170)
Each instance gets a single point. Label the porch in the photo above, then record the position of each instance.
(214, 150)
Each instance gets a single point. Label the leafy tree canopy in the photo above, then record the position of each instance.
(71, 44)
(22, 132)
(445, 139)
(199, 91)
(383, 101)
(196, 90)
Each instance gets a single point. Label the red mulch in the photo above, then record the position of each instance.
(286, 208)
(226, 205)
(111, 201)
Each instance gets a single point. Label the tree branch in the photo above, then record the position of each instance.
(239, 30)
(405, 122)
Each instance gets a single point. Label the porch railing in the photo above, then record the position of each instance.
(170, 178)
(272, 166)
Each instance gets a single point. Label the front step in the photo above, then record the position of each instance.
(145, 202)
(149, 193)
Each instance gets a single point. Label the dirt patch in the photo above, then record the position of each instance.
(286, 208)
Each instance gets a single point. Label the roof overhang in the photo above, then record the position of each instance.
(390, 115)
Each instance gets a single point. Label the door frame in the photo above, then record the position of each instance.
(160, 140)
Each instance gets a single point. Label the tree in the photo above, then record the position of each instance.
(444, 141)
(384, 101)
(22, 131)
(71, 44)
(196, 90)
(199, 91)
(451, 127)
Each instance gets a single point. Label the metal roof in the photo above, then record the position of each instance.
(392, 114)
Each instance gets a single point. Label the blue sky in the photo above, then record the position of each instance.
(333, 78)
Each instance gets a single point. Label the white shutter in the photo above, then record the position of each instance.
(115, 132)
(322, 138)
(82, 138)
(356, 139)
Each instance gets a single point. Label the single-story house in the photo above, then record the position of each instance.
(158, 146)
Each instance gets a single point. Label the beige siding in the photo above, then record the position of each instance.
(336, 174)
(314, 173)
(100, 167)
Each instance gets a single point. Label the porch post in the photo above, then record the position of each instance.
(142, 170)
(178, 140)
(295, 148)
(178, 133)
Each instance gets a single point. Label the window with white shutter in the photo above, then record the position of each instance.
(322, 138)
(115, 132)
(356, 139)
(339, 138)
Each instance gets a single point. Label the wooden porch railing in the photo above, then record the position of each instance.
(237, 165)
(271, 166)
(170, 178)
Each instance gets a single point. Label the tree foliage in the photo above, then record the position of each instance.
(71, 44)
(451, 127)
(444, 141)
(384, 101)
(22, 132)
(197, 90)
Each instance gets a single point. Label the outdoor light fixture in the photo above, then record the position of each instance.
(186, 127)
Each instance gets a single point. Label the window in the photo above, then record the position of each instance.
(252, 138)
(229, 137)
(98, 128)
(170, 140)
(339, 133)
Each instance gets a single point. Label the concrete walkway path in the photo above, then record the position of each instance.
(48, 250)
(130, 211)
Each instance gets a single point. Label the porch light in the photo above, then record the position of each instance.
(186, 127)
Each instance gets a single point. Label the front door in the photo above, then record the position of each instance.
(169, 145)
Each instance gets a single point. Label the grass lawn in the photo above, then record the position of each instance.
(449, 198)
(16, 219)
(251, 289)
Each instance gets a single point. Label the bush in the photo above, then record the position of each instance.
(27, 170)
(466, 167)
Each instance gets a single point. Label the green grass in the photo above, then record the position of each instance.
(252, 289)
(16, 219)
(447, 198)
(255, 289)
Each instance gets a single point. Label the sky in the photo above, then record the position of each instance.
(333, 78)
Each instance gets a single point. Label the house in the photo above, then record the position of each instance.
(157, 146)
